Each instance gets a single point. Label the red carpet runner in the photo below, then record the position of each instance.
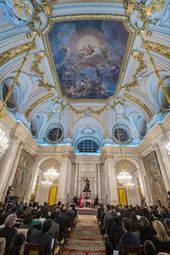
(86, 239)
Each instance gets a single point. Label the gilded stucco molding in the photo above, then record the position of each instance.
(140, 103)
(14, 52)
(129, 45)
(37, 102)
(158, 48)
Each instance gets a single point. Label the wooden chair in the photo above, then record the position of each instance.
(131, 250)
(163, 249)
(34, 249)
(117, 239)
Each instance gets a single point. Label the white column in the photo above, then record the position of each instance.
(112, 182)
(7, 163)
(99, 181)
(68, 180)
(76, 179)
(166, 161)
(14, 167)
(162, 167)
(62, 195)
(146, 189)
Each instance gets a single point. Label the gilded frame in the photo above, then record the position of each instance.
(129, 45)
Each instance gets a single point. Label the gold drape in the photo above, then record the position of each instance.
(52, 195)
(122, 196)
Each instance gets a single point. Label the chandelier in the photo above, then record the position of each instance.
(125, 178)
(3, 143)
(51, 173)
(47, 182)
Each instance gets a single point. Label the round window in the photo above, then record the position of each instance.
(121, 135)
(54, 135)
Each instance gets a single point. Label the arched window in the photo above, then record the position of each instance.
(88, 146)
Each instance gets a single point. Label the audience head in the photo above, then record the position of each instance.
(149, 248)
(160, 231)
(53, 215)
(144, 221)
(46, 226)
(2, 245)
(127, 224)
(27, 219)
(11, 220)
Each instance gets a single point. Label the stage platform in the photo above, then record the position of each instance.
(86, 211)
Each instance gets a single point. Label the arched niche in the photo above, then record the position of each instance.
(139, 124)
(43, 190)
(20, 91)
(155, 91)
(132, 193)
(37, 123)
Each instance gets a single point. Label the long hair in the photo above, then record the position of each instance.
(160, 231)
(145, 222)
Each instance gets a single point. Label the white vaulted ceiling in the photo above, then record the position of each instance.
(38, 98)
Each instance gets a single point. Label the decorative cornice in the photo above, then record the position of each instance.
(14, 52)
(158, 48)
(140, 103)
(37, 102)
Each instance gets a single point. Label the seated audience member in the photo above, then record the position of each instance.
(17, 244)
(149, 248)
(161, 238)
(54, 230)
(146, 230)
(2, 245)
(128, 238)
(135, 224)
(107, 217)
(116, 232)
(26, 224)
(42, 236)
(167, 225)
(9, 231)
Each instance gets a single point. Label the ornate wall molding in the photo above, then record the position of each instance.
(37, 102)
(140, 103)
(158, 48)
(15, 52)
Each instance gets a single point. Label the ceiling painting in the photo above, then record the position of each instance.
(88, 55)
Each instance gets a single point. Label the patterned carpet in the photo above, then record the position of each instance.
(86, 239)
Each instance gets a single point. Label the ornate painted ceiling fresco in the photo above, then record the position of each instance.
(88, 56)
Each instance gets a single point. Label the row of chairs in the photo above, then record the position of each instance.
(127, 250)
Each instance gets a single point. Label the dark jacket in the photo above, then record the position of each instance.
(40, 238)
(8, 233)
(129, 239)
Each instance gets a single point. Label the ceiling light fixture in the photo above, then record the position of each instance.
(51, 173)
(47, 182)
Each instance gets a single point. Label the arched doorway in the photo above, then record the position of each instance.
(128, 192)
(46, 186)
